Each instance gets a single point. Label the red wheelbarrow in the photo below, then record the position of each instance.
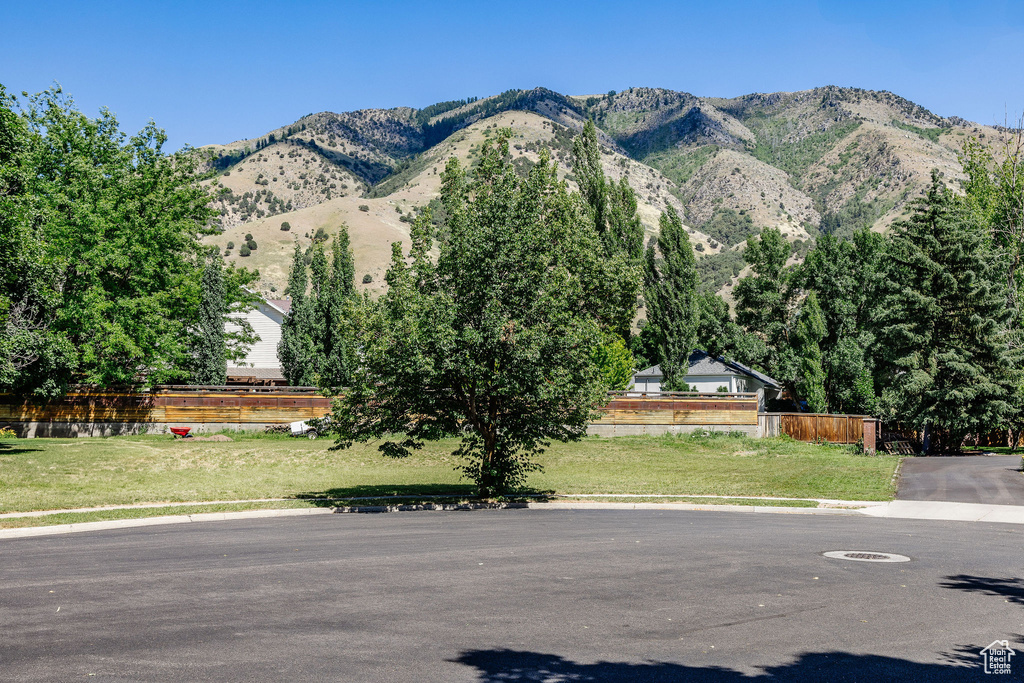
(181, 432)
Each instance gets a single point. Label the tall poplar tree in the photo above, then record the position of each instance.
(296, 350)
(673, 303)
(612, 208)
(210, 349)
(764, 302)
(342, 315)
(317, 345)
(809, 331)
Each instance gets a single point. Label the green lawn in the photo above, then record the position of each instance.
(49, 474)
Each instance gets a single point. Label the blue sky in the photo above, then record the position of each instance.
(219, 71)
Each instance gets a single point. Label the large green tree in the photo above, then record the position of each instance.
(101, 265)
(994, 196)
(942, 322)
(495, 341)
(34, 356)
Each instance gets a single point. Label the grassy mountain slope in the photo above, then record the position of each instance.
(828, 159)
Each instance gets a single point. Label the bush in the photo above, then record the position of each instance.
(320, 236)
(367, 279)
(231, 245)
(248, 237)
(286, 226)
(364, 208)
(251, 244)
(244, 251)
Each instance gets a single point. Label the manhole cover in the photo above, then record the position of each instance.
(866, 556)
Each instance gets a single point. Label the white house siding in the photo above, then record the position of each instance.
(711, 382)
(266, 322)
(647, 384)
(651, 384)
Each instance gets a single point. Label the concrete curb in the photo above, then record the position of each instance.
(58, 529)
(897, 509)
(156, 521)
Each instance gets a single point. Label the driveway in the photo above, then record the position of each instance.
(990, 479)
(512, 596)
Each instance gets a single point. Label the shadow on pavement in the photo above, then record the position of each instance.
(411, 491)
(510, 666)
(1010, 589)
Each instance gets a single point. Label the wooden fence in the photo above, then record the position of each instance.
(93, 412)
(814, 427)
(680, 408)
(171, 405)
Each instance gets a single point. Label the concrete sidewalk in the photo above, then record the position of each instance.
(956, 512)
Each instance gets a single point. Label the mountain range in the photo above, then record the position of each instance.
(829, 159)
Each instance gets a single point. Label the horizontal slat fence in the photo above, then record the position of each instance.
(276, 405)
(263, 405)
(679, 408)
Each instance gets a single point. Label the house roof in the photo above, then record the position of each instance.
(282, 305)
(701, 363)
(256, 373)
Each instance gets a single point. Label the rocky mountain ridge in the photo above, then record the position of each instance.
(828, 159)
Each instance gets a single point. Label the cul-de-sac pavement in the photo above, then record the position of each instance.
(518, 595)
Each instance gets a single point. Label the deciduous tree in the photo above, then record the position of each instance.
(494, 341)
(673, 304)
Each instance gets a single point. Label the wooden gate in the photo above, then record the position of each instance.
(815, 427)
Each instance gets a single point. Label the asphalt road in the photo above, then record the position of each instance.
(512, 595)
(989, 479)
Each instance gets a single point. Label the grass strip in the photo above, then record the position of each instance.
(61, 474)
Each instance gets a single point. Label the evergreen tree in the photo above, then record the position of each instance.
(673, 308)
(317, 345)
(210, 349)
(296, 350)
(807, 335)
(942, 339)
(342, 312)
